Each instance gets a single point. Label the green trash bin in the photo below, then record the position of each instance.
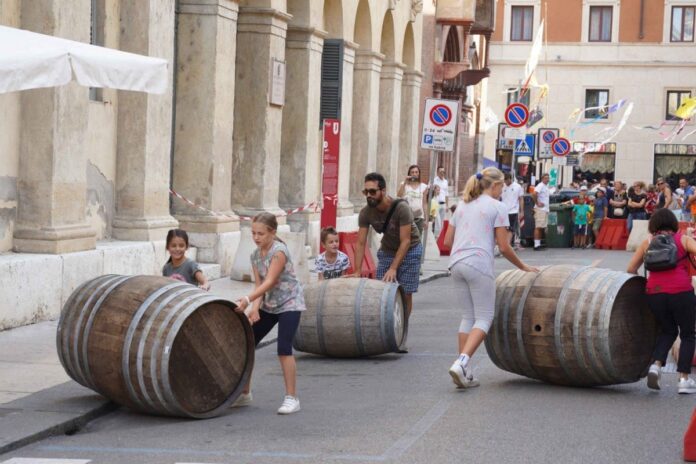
(559, 233)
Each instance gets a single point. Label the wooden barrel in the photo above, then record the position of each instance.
(572, 325)
(349, 318)
(156, 345)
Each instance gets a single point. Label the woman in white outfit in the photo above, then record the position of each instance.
(478, 224)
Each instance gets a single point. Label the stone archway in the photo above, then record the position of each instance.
(366, 73)
(410, 104)
(391, 75)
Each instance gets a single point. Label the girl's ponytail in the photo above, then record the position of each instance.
(479, 182)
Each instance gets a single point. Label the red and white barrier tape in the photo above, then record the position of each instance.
(313, 205)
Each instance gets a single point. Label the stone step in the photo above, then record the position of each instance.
(212, 271)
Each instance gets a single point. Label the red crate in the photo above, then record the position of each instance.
(348, 241)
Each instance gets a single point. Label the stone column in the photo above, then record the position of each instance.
(144, 129)
(257, 136)
(300, 159)
(410, 120)
(206, 48)
(52, 184)
(389, 124)
(345, 207)
(366, 77)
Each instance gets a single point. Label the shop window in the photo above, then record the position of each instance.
(600, 23)
(596, 98)
(513, 96)
(674, 100)
(522, 23)
(682, 24)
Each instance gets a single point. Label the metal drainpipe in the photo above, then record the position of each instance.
(641, 35)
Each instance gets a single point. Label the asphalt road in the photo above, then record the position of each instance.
(405, 409)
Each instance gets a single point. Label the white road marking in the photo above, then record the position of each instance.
(45, 461)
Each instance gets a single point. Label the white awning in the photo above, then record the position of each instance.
(30, 61)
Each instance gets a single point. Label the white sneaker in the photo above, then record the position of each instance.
(654, 374)
(686, 386)
(460, 376)
(290, 405)
(242, 400)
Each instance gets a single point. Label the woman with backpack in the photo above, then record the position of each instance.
(670, 294)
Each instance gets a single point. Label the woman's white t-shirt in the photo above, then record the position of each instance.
(414, 197)
(474, 234)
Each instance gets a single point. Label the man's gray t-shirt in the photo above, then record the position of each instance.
(185, 272)
(391, 239)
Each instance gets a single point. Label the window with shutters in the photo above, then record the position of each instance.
(331, 80)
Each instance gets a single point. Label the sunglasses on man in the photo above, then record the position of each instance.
(371, 192)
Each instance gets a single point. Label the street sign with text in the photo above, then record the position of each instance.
(439, 124)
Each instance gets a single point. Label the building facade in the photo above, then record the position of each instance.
(85, 173)
(599, 52)
(456, 67)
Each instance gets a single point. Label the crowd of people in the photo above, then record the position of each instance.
(485, 217)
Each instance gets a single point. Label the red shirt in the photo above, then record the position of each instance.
(588, 200)
(675, 280)
(651, 202)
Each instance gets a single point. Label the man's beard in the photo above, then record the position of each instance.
(372, 202)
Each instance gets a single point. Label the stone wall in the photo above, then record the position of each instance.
(85, 173)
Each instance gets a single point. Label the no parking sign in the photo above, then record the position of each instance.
(439, 124)
(560, 146)
(545, 137)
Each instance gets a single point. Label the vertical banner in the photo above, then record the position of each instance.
(329, 177)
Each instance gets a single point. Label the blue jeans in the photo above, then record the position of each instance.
(640, 215)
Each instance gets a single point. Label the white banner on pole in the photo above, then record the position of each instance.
(534, 54)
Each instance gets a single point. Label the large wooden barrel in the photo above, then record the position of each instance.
(572, 325)
(349, 318)
(156, 345)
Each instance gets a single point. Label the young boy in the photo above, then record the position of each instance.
(580, 211)
(331, 263)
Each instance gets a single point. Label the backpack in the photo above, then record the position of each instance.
(662, 253)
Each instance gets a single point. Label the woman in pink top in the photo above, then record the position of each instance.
(672, 301)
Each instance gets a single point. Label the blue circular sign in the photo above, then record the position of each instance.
(548, 136)
(440, 115)
(560, 146)
(516, 115)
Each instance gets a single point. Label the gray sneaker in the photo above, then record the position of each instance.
(687, 386)
(242, 400)
(654, 374)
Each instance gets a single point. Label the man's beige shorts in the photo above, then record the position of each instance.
(541, 219)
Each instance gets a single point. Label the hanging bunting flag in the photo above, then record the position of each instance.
(603, 111)
(686, 109)
(609, 133)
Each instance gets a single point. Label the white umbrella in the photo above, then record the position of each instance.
(29, 61)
